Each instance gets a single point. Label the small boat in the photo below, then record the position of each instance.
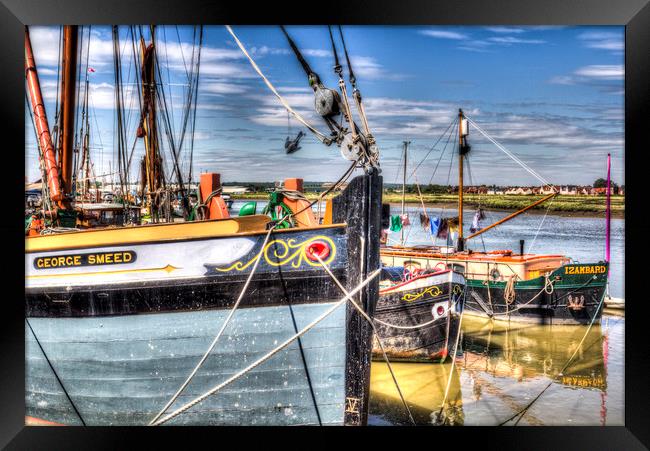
(417, 315)
(502, 284)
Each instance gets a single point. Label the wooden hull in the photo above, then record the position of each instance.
(565, 293)
(124, 321)
(426, 311)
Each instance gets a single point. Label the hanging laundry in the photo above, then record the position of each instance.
(453, 235)
(443, 228)
(424, 221)
(395, 223)
(434, 224)
(476, 223)
(405, 220)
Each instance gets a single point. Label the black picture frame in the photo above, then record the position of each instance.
(634, 14)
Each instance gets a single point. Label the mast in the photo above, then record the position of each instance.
(68, 106)
(148, 130)
(462, 125)
(406, 144)
(40, 121)
(608, 208)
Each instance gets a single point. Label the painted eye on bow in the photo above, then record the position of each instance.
(316, 250)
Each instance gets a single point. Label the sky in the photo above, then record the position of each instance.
(553, 96)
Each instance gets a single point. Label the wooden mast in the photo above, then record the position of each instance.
(152, 164)
(68, 107)
(40, 121)
(460, 180)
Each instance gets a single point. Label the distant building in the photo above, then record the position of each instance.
(235, 189)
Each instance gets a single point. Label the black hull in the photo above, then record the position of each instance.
(435, 341)
(546, 308)
(218, 292)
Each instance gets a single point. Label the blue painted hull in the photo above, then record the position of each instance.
(122, 370)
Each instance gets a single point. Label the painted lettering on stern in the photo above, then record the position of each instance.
(585, 269)
(90, 259)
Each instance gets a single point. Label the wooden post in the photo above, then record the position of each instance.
(216, 207)
(305, 217)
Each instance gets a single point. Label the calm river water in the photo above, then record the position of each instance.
(504, 366)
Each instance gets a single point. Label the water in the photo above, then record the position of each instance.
(503, 367)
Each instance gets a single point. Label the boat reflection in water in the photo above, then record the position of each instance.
(524, 352)
(499, 369)
(423, 387)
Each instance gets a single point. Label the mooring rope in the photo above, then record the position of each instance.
(523, 411)
(374, 330)
(453, 364)
(550, 282)
(267, 356)
(223, 327)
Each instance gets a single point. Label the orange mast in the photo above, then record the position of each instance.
(40, 121)
(68, 105)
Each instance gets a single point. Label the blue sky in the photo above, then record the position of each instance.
(551, 95)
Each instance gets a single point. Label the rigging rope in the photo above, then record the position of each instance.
(513, 157)
(321, 137)
(270, 354)
(65, 392)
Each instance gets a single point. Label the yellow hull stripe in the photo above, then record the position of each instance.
(168, 268)
(143, 234)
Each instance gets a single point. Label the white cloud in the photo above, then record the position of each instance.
(514, 30)
(513, 40)
(604, 40)
(602, 71)
(222, 87)
(444, 34)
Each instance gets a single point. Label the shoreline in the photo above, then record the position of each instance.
(615, 214)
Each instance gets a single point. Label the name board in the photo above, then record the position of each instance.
(594, 269)
(91, 259)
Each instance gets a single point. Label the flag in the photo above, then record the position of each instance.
(90, 69)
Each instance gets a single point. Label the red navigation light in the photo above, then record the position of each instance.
(440, 310)
(318, 249)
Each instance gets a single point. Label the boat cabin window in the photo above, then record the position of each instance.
(456, 267)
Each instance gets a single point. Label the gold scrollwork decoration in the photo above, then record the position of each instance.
(433, 291)
(281, 252)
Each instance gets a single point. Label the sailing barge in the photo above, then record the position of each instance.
(117, 318)
(417, 319)
(537, 288)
